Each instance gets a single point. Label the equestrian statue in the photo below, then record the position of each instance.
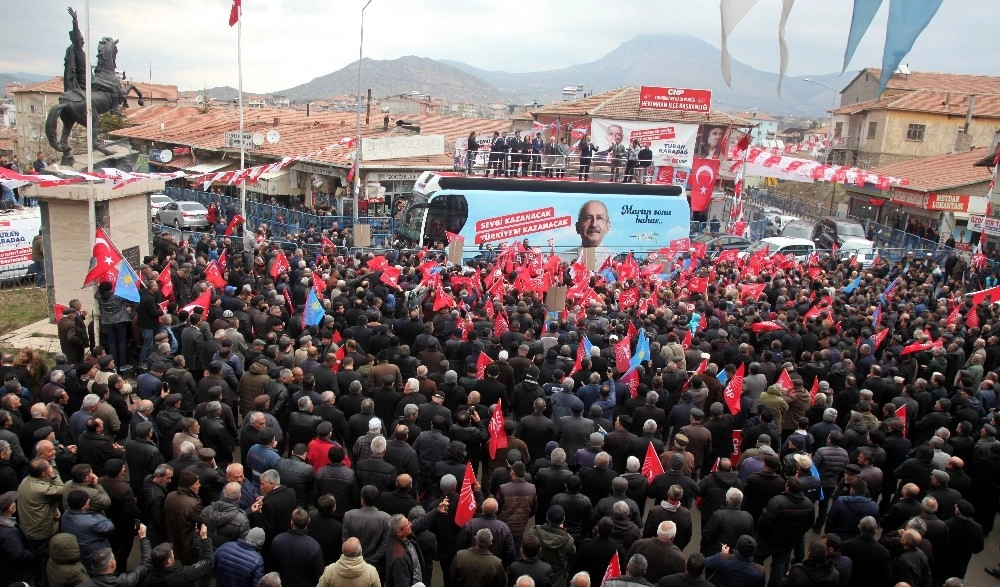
(107, 94)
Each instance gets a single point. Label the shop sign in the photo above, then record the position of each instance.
(948, 202)
(383, 176)
(988, 226)
(877, 202)
(908, 198)
(233, 140)
(318, 169)
(378, 149)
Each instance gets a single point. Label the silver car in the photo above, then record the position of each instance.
(184, 215)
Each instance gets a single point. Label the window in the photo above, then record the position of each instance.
(838, 130)
(915, 132)
(872, 129)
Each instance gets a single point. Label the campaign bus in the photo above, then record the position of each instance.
(609, 217)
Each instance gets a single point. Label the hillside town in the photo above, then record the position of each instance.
(638, 336)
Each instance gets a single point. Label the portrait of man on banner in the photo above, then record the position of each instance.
(711, 141)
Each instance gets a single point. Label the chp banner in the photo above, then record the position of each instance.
(673, 144)
(16, 233)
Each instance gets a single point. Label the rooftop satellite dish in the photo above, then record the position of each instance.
(273, 136)
(258, 138)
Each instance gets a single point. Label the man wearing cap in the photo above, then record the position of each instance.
(557, 545)
(17, 555)
(679, 446)
(263, 455)
(434, 408)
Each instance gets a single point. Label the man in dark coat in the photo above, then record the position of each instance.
(662, 554)
(869, 559)
(403, 558)
(273, 511)
(182, 511)
(782, 525)
(142, 455)
(123, 511)
(96, 449)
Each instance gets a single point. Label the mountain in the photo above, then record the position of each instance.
(676, 61)
(20, 76)
(400, 76)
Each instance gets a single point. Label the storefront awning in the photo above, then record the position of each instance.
(273, 175)
(209, 166)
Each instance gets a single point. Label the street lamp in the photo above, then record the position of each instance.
(829, 131)
(357, 145)
(829, 136)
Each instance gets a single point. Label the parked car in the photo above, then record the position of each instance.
(723, 242)
(799, 248)
(778, 217)
(184, 215)
(157, 201)
(834, 229)
(798, 229)
(863, 248)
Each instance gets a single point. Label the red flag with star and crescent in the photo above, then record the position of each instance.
(651, 466)
(204, 301)
(107, 258)
(466, 498)
(214, 276)
(498, 437)
(734, 390)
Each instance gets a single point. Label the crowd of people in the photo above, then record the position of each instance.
(837, 425)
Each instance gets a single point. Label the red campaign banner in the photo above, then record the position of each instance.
(12, 256)
(654, 134)
(737, 442)
(519, 224)
(677, 99)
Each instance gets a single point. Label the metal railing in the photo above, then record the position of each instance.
(601, 168)
(760, 199)
(283, 221)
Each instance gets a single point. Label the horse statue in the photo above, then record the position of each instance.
(107, 94)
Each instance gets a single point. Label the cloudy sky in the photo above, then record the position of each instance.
(289, 42)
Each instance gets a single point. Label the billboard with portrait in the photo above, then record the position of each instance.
(672, 143)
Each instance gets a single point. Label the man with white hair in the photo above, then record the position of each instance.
(637, 483)
(477, 566)
(78, 421)
(660, 551)
(375, 470)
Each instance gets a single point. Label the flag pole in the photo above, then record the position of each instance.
(239, 59)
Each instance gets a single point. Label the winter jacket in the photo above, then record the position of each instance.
(772, 400)
(734, 570)
(226, 522)
(846, 512)
(430, 446)
(478, 568)
(252, 385)
(798, 403)
(369, 526)
(113, 308)
(126, 579)
(183, 575)
(557, 549)
(725, 527)
(787, 517)
(518, 503)
(339, 481)
(238, 564)
(830, 462)
(350, 571)
(810, 573)
(92, 530)
(17, 555)
(523, 398)
(64, 568)
(298, 557)
(712, 490)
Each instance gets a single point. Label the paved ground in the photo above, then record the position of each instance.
(40, 335)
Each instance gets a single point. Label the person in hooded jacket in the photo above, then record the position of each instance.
(350, 570)
(226, 521)
(64, 569)
(557, 545)
(239, 563)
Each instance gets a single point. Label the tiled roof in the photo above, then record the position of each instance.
(937, 102)
(623, 104)
(6, 138)
(946, 82)
(55, 86)
(301, 134)
(940, 172)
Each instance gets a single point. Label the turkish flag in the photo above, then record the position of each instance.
(901, 414)
(166, 283)
(651, 466)
(703, 176)
(236, 220)
(107, 258)
(785, 382)
(466, 498)
(339, 354)
(280, 265)
(214, 276)
(614, 569)
(498, 437)
(623, 352)
(452, 237)
(203, 301)
(734, 390)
